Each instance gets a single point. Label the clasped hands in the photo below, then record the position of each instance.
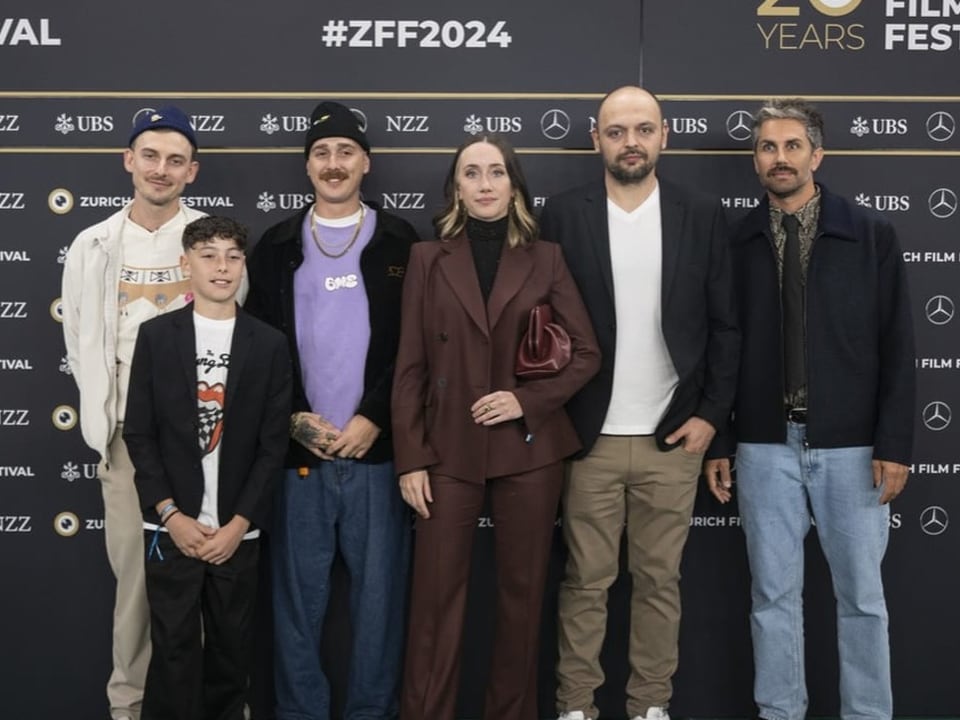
(327, 441)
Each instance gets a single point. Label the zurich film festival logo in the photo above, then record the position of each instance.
(66, 524)
(60, 201)
(942, 203)
(740, 125)
(809, 25)
(939, 310)
(64, 417)
(941, 126)
(937, 416)
(555, 124)
(934, 520)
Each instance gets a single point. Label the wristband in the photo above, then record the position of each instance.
(164, 520)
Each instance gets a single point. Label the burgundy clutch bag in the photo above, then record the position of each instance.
(545, 347)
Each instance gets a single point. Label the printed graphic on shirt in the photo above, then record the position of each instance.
(211, 362)
(210, 402)
(159, 286)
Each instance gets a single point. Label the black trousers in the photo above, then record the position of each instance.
(201, 627)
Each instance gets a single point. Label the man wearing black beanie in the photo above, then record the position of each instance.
(330, 277)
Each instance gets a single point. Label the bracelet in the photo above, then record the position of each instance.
(165, 520)
(166, 511)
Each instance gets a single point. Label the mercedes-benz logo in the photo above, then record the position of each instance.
(934, 520)
(740, 125)
(940, 309)
(361, 118)
(943, 203)
(555, 124)
(936, 416)
(941, 126)
(140, 113)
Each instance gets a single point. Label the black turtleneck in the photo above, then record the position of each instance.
(486, 241)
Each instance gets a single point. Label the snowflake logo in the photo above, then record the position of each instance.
(473, 125)
(64, 366)
(863, 200)
(266, 202)
(64, 124)
(860, 127)
(70, 472)
(62, 255)
(269, 124)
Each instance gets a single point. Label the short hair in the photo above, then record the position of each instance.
(521, 224)
(791, 109)
(213, 226)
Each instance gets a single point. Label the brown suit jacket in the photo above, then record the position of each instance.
(453, 350)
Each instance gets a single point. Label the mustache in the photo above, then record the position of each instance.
(333, 174)
(780, 168)
(632, 151)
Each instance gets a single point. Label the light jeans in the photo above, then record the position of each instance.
(780, 487)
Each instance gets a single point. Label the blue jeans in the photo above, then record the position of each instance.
(779, 487)
(356, 508)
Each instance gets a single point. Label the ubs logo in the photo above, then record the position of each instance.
(936, 416)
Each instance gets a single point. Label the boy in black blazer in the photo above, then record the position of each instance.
(207, 428)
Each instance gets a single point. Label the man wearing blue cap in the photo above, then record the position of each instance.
(118, 274)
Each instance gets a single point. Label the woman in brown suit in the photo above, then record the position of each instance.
(463, 422)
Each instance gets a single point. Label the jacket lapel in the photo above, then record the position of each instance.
(515, 266)
(187, 351)
(240, 345)
(597, 229)
(671, 219)
(456, 264)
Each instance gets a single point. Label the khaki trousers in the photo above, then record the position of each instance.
(624, 479)
(123, 529)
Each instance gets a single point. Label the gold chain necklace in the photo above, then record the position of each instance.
(338, 253)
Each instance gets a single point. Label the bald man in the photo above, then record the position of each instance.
(650, 259)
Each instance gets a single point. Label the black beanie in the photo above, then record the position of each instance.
(331, 119)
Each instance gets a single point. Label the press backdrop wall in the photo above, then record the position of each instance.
(423, 75)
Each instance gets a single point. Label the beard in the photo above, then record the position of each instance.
(630, 176)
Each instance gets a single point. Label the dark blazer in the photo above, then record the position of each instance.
(698, 315)
(454, 350)
(861, 381)
(161, 426)
(383, 262)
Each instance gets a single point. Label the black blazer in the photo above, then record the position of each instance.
(698, 313)
(162, 423)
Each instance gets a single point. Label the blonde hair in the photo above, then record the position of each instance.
(521, 223)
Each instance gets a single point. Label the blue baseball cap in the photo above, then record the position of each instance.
(165, 118)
